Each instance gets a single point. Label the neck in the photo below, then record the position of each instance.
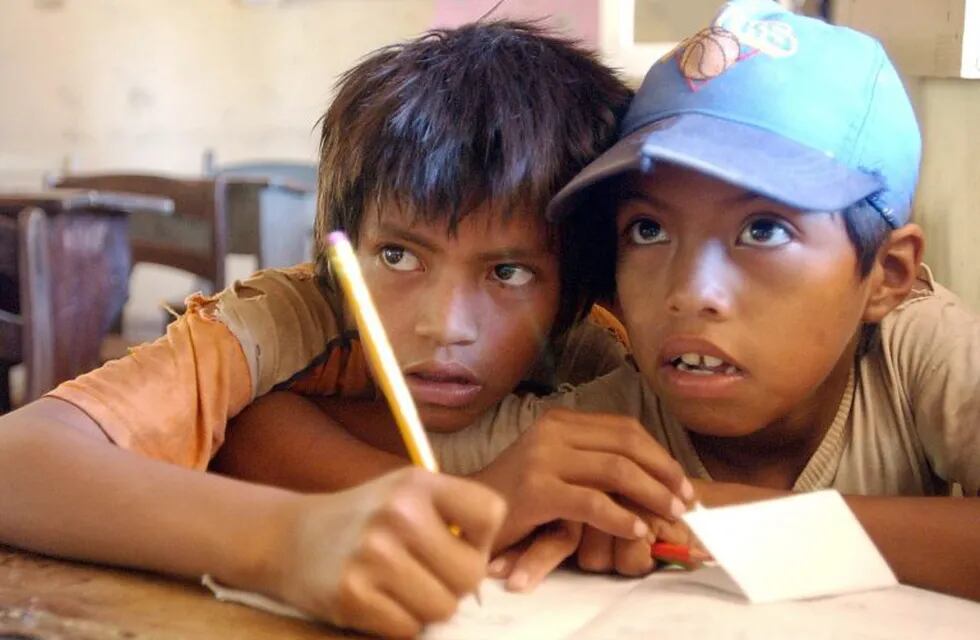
(775, 455)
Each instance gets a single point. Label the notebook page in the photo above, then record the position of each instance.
(565, 602)
(678, 608)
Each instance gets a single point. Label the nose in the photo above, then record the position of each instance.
(448, 313)
(700, 283)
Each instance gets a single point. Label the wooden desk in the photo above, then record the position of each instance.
(43, 598)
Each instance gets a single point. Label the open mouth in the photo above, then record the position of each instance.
(443, 384)
(703, 365)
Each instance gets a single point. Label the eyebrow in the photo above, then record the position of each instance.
(742, 198)
(512, 253)
(636, 194)
(401, 233)
(496, 255)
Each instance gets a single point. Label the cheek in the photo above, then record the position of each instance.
(638, 290)
(395, 302)
(513, 333)
(806, 322)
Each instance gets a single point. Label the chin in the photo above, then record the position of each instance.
(719, 422)
(447, 419)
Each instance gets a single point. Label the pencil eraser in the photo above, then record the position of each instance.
(336, 237)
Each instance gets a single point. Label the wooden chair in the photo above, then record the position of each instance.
(64, 266)
(194, 239)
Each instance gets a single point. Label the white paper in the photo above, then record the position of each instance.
(565, 602)
(776, 551)
(675, 607)
(802, 546)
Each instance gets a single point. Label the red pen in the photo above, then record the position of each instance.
(677, 553)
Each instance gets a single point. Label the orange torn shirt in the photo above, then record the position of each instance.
(171, 399)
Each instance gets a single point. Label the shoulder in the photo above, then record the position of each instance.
(594, 347)
(930, 321)
(930, 353)
(282, 318)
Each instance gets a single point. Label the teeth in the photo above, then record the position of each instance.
(711, 362)
(691, 359)
(698, 371)
(731, 370)
(702, 372)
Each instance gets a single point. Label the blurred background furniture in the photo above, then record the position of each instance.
(64, 271)
(193, 239)
(271, 207)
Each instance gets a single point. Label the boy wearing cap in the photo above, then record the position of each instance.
(786, 335)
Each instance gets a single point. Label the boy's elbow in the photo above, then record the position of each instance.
(45, 421)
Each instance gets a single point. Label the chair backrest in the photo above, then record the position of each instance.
(70, 268)
(194, 239)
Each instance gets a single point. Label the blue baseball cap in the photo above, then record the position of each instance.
(805, 113)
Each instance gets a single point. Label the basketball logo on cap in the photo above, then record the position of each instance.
(708, 53)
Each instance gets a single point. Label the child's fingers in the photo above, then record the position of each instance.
(595, 508)
(362, 606)
(626, 437)
(632, 557)
(503, 564)
(619, 475)
(475, 509)
(451, 559)
(673, 531)
(548, 549)
(416, 587)
(595, 553)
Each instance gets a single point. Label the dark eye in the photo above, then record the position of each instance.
(647, 231)
(399, 258)
(512, 275)
(765, 232)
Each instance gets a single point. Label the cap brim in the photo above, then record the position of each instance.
(740, 154)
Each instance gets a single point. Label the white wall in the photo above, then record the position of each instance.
(948, 201)
(151, 83)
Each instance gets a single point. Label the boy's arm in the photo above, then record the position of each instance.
(66, 490)
(548, 464)
(287, 440)
(379, 558)
(929, 542)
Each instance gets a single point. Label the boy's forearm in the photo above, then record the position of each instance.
(932, 543)
(929, 542)
(70, 493)
(286, 440)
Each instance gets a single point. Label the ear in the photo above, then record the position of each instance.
(895, 271)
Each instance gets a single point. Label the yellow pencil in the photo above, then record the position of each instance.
(381, 356)
(379, 351)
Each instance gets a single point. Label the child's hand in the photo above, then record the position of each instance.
(526, 564)
(381, 558)
(601, 553)
(566, 464)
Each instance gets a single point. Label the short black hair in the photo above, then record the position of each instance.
(496, 112)
(867, 230)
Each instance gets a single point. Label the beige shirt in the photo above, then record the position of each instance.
(907, 424)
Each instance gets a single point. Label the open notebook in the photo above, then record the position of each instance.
(799, 565)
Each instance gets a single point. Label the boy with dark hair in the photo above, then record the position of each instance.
(438, 156)
(786, 335)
